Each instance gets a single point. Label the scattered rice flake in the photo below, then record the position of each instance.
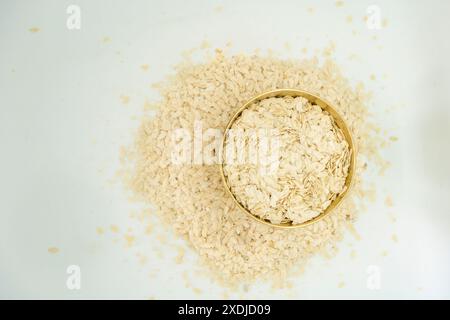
(53, 250)
(180, 256)
(124, 99)
(353, 231)
(329, 50)
(129, 240)
(389, 202)
(393, 138)
(197, 291)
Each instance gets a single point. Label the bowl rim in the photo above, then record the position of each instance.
(340, 122)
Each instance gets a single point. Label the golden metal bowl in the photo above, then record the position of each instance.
(339, 122)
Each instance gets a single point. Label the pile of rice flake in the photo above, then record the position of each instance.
(311, 165)
(191, 198)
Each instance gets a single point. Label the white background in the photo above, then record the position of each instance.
(62, 123)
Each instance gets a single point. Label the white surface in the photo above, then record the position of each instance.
(62, 122)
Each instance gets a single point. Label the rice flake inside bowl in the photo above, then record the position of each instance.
(312, 160)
